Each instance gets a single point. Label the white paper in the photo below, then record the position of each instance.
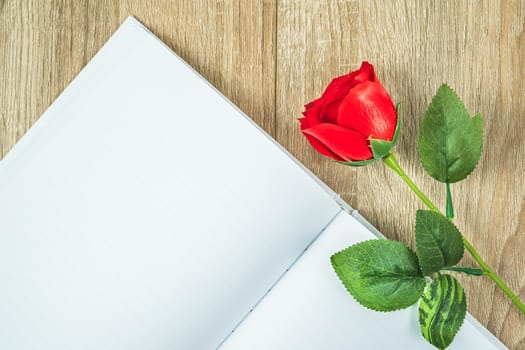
(144, 211)
(310, 309)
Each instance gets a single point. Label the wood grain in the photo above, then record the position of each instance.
(271, 57)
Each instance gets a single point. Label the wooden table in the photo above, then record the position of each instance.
(271, 57)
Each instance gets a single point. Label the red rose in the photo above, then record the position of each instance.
(354, 120)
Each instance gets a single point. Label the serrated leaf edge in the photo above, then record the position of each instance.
(416, 241)
(334, 266)
(478, 115)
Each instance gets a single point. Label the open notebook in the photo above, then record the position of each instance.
(144, 211)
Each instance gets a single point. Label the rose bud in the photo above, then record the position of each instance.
(354, 121)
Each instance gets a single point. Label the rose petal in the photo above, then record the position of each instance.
(338, 143)
(330, 112)
(304, 123)
(339, 87)
(365, 73)
(312, 113)
(319, 147)
(369, 109)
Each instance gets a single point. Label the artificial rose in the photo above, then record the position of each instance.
(354, 120)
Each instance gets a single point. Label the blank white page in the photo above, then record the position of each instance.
(144, 211)
(309, 309)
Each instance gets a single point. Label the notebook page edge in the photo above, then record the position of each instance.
(99, 63)
(133, 21)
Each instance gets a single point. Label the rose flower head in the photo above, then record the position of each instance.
(354, 121)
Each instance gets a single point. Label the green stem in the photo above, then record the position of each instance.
(465, 269)
(493, 276)
(450, 208)
(391, 161)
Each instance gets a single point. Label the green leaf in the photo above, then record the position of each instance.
(450, 141)
(381, 274)
(438, 242)
(442, 310)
